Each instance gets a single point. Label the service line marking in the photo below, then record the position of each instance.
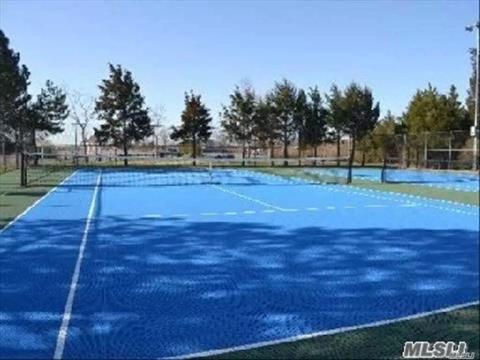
(249, 198)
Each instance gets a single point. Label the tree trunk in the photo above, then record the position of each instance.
(338, 149)
(17, 150)
(84, 143)
(363, 158)
(300, 149)
(34, 146)
(315, 150)
(350, 160)
(4, 155)
(194, 150)
(125, 150)
(285, 148)
(244, 149)
(19, 146)
(272, 151)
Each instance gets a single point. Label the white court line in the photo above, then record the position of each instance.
(209, 214)
(375, 206)
(35, 203)
(388, 196)
(248, 198)
(152, 216)
(321, 333)
(67, 314)
(249, 212)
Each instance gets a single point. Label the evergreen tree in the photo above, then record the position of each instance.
(238, 117)
(430, 111)
(48, 112)
(470, 101)
(456, 113)
(122, 109)
(266, 127)
(301, 116)
(361, 114)
(14, 97)
(383, 135)
(283, 100)
(195, 126)
(336, 117)
(315, 126)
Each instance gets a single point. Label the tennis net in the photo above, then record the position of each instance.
(394, 172)
(70, 170)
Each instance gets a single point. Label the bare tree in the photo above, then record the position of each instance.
(157, 114)
(82, 111)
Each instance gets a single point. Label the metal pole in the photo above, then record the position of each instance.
(477, 97)
(476, 28)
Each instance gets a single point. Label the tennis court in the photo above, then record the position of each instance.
(453, 180)
(173, 263)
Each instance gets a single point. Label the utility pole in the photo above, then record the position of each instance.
(475, 130)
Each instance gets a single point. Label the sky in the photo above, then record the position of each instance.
(394, 47)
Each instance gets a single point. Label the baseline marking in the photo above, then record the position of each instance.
(67, 314)
(322, 333)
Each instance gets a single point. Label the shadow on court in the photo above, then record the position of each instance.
(162, 287)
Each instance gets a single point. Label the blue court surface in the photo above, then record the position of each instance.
(121, 268)
(460, 181)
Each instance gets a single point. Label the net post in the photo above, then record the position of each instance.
(350, 168)
(383, 174)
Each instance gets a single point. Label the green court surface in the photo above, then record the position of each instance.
(471, 198)
(383, 342)
(14, 199)
(376, 342)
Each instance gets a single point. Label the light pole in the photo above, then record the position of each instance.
(476, 28)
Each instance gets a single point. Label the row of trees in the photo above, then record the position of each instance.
(287, 114)
(284, 115)
(22, 117)
(120, 107)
